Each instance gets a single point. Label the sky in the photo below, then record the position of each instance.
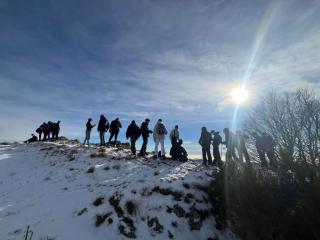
(175, 60)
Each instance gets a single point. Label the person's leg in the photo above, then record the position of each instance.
(246, 154)
(144, 146)
(204, 156)
(132, 148)
(156, 141)
(115, 137)
(263, 160)
(111, 136)
(272, 159)
(134, 145)
(163, 153)
(209, 156)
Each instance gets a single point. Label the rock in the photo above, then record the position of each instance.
(91, 169)
(174, 224)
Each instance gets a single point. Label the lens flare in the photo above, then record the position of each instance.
(239, 95)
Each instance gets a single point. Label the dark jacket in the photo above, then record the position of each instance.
(145, 130)
(205, 139)
(102, 124)
(115, 126)
(217, 140)
(133, 131)
(89, 126)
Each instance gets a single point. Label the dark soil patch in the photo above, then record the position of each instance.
(170, 235)
(186, 185)
(130, 232)
(179, 211)
(114, 201)
(131, 207)
(91, 169)
(107, 168)
(98, 201)
(155, 225)
(101, 218)
(82, 211)
(168, 191)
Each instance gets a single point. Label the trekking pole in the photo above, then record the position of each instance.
(26, 238)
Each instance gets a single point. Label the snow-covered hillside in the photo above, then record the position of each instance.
(66, 191)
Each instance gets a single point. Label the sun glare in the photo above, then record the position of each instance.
(239, 95)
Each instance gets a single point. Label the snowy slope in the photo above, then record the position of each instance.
(48, 186)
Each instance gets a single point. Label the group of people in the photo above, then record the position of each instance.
(46, 131)
(236, 147)
(134, 132)
(235, 142)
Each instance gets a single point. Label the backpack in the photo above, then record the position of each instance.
(161, 130)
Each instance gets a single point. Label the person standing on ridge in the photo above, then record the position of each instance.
(174, 135)
(145, 135)
(268, 145)
(103, 126)
(39, 131)
(230, 143)
(260, 149)
(205, 142)
(241, 147)
(159, 133)
(133, 132)
(217, 140)
(114, 130)
(89, 126)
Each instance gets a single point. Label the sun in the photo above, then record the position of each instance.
(239, 95)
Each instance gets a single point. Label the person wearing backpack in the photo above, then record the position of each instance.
(205, 142)
(133, 132)
(145, 135)
(103, 126)
(159, 133)
(217, 140)
(114, 130)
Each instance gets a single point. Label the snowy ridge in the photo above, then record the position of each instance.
(65, 191)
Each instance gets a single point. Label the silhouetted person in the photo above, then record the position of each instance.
(145, 135)
(230, 143)
(39, 131)
(241, 147)
(51, 129)
(217, 140)
(103, 126)
(174, 135)
(268, 145)
(46, 131)
(89, 126)
(159, 133)
(55, 130)
(260, 149)
(178, 152)
(133, 132)
(114, 130)
(205, 142)
(32, 139)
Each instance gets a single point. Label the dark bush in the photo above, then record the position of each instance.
(266, 205)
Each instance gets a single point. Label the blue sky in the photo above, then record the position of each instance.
(178, 60)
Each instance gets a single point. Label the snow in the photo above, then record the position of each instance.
(41, 187)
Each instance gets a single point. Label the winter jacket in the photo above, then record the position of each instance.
(89, 126)
(159, 131)
(102, 125)
(115, 126)
(174, 134)
(205, 139)
(217, 140)
(133, 131)
(145, 130)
